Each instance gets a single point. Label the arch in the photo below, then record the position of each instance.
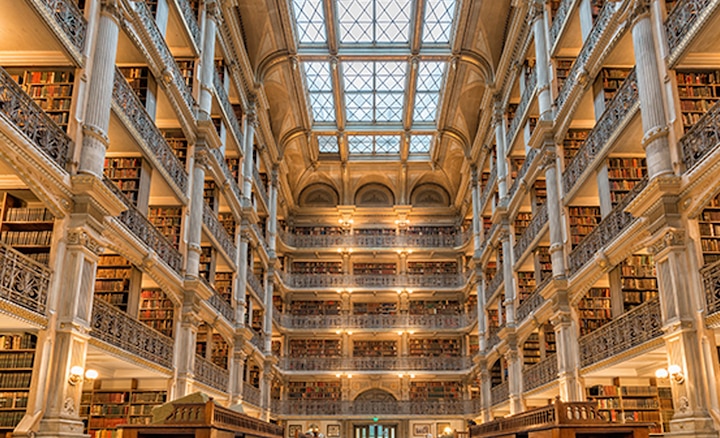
(374, 195)
(319, 195)
(429, 195)
(375, 394)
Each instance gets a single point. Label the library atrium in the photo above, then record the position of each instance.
(359, 218)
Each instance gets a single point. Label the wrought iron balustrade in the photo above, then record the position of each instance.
(426, 240)
(21, 111)
(191, 20)
(251, 394)
(227, 109)
(493, 337)
(410, 363)
(711, 282)
(256, 286)
(531, 303)
(315, 408)
(258, 339)
(492, 179)
(523, 170)
(559, 19)
(69, 18)
(528, 92)
(129, 105)
(538, 221)
(210, 374)
(494, 283)
(541, 373)
(681, 20)
(23, 281)
(632, 329)
(500, 393)
(625, 100)
(299, 281)
(260, 186)
(213, 225)
(702, 138)
(261, 237)
(231, 180)
(221, 305)
(116, 328)
(435, 321)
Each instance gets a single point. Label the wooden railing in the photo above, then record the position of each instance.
(23, 281)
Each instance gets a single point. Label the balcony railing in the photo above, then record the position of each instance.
(494, 283)
(210, 374)
(528, 93)
(219, 233)
(227, 109)
(21, 111)
(447, 281)
(607, 231)
(538, 221)
(493, 337)
(500, 393)
(260, 187)
(129, 105)
(369, 408)
(435, 321)
(232, 181)
(433, 240)
(168, 61)
(256, 286)
(488, 187)
(375, 363)
(702, 138)
(598, 31)
(532, 303)
(632, 329)
(23, 281)
(251, 394)
(625, 100)
(541, 373)
(190, 19)
(559, 19)
(523, 170)
(117, 328)
(681, 20)
(260, 235)
(711, 281)
(221, 305)
(258, 339)
(69, 18)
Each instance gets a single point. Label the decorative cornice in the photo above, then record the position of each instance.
(79, 237)
(672, 238)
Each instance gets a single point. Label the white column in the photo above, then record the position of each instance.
(207, 72)
(477, 219)
(197, 202)
(267, 323)
(236, 378)
(248, 165)
(242, 275)
(508, 278)
(272, 220)
(515, 379)
(500, 128)
(542, 63)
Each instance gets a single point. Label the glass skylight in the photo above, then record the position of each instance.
(320, 90)
(374, 144)
(438, 21)
(310, 19)
(427, 91)
(374, 21)
(328, 144)
(420, 144)
(374, 90)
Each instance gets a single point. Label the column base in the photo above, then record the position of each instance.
(61, 427)
(692, 427)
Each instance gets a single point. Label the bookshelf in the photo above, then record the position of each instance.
(317, 231)
(317, 390)
(594, 310)
(104, 409)
(698, 91)
(168, 220)
(434, 347)
(639, 280)
(314, 307)
(432, 268)
(539, 192)
(26, 226)
(227, 220)
(573, 141)
(473, 344)
(17, 356)
(583, 219)
(435, 307)
(375, 308)
(207, 262)
(187, 70)
(709, 227)
(143, 83)
(317, 267)
(522, 220)
(315, 347)
(430, 230)
(157, 311)
(374, 231)
(544, 263)
(224, 285)
(562, 70)
(210, 193)
(175, 138)
(112, 280)
(374, 268)
(526, 284)
(549, 344)
(434, 390)
(51, 88)
(608, 82)
(531, 350)
(130, 176)
(373, 348)
(256, 322)
(220, 351)
(623, 174)
(253, 376)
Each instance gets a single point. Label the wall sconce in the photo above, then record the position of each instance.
(76, 375)
(673, 371)
(345, 222)
(402, 224)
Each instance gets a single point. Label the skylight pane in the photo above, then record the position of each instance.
(360, 144)
(318, 76)
(358, 75)
(310, 20)
(392, 21)
(387, 144)
(390, 76)
(389, 107)
(438, 21)
(420, 144)
(323, 107)
(328, 144)
(356, 21)
(359, 107)
(426, 107)
(430, 75)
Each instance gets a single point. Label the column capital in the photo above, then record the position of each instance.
(537, 8)
(79, 237)
(672, 237)
(213, 10)
(112, 9)
(637, 10)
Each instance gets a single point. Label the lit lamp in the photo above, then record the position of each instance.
(673, 371)
(76, 375)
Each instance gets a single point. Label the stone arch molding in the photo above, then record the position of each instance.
(429, 195)
(375, 395)
(319, 195)
(374, 195)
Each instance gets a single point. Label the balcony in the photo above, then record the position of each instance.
(67, 17)
(702, 139)
(446, 281)
(258, 339)
(369, 408)
(251, 395)
(219, 234)
(260, 187)
(128, 107)
(228, 112)
(541, 373)
(611, 227)
(492, 179)
(495, 283)
(23, 281)
(256, 285)
(210, 374)
(559, 20)
(532, 232)
(493, 337)
(525, 99)
(404, 240)
(220, 304)
(21, 111)
(680, 23)
(624, 104)
(260, 237)
(358, 364)
(529, 159)
(230, 180)
(531, 303)
(711, 282)
(188, 16)
(500, 393)
(632, 329)
(119, 330)
(393, 322)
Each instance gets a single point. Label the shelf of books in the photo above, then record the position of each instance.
(549, 344)
(317, 268)
(562, 69)
(594, 310)
(539, 192)
(373, 348)
(168, 221)
(698, 91)
(227, 220)
(317, 231)
(435, 347)
(175, 138)
(583, 219)
(526, 284)
(207, 262)
(531, 350)
(435, 307)
(223, 285)
(639, 280)
(522, 220)
(609, 81)
(112, 280)
(432, 268)
(544, 263)
(315, 347)
(27, 226)
(431, 230)
(574, 140)
(375, 308)
(157, 311)
(17, 356)
(374, 231)
(374, 268)
(709, 226)
(128, 175)
(434, 390)
(220, 351)
(314, 390)
(187, 70)
(104, 409)
(623, 174)
(639, 401)
(256, 322)
(51, 88)
(142, 83)
(210, 193)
